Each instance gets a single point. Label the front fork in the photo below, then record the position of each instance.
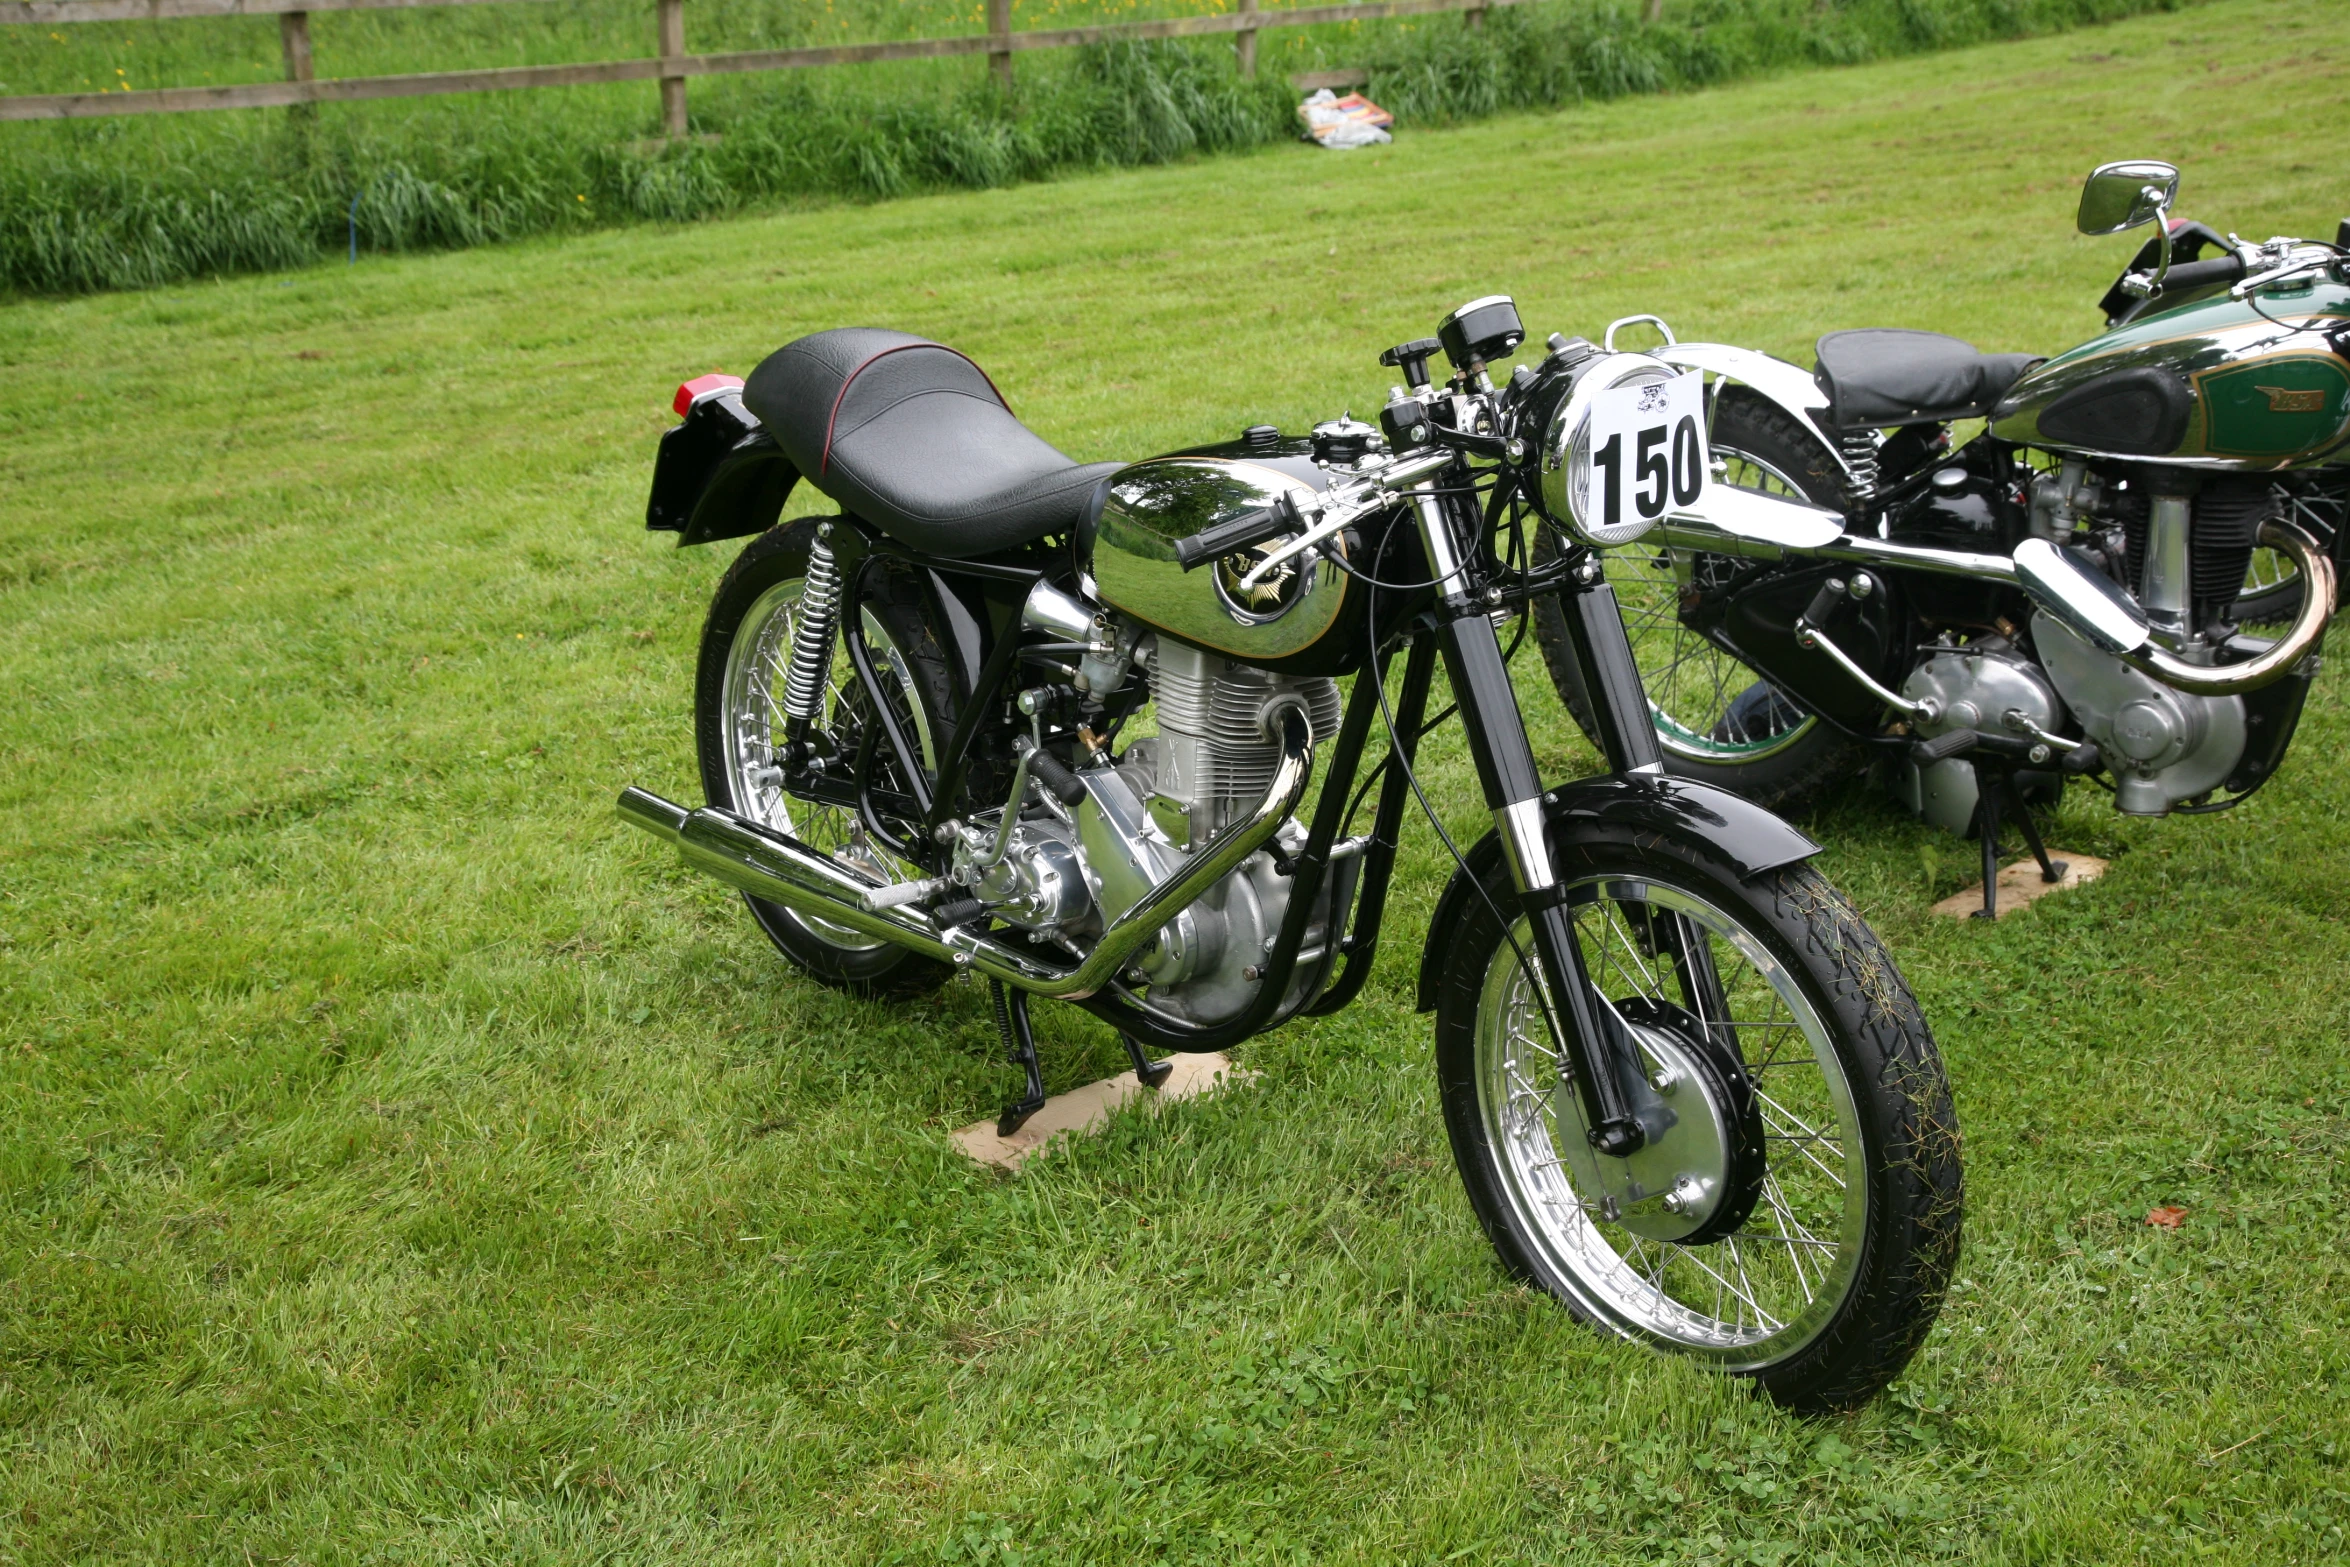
(1619, 1106)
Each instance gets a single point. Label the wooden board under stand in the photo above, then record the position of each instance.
(2020, 885)
(1087, 1109)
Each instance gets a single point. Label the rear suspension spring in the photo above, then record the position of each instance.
(805, 681)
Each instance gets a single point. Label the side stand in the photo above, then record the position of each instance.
(1146, 1071)
(1992, 787)
(1011, 1021)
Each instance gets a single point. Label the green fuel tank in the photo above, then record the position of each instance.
(2213, 383)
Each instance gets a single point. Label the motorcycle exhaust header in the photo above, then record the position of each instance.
(779, 868)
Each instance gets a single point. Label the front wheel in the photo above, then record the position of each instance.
(1799, 1222)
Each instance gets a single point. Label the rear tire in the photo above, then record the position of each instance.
(1823, 1285)
(1717, 720)
(746, 640)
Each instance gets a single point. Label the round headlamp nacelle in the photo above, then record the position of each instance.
(1565, 491)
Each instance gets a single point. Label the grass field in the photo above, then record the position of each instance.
(401, 1161)
(133, 202)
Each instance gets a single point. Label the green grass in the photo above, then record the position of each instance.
(134, 202)
(402, 1161)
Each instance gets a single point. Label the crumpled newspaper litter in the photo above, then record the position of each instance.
(1351, 121)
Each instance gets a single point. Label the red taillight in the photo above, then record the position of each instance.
(700, 387)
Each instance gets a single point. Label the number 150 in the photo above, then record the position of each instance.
(1683, 477)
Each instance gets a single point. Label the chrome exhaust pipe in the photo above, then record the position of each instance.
(2317, 607)
(779, 868)
(2086, 603)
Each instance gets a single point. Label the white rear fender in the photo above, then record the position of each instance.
(1789, 386)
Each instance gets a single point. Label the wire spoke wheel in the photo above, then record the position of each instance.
(741, 728)
(1707, 705)
(1716, 719)
(1795, 1216)
(754, 726)
(1749, 1297)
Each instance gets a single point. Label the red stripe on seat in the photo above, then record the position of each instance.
(824, 465)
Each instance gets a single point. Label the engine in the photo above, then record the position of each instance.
(1068, 870)
(2162, 746)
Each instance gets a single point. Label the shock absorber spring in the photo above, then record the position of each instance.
(1859, 448)
(805, 681)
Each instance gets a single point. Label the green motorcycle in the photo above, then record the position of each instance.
(2126, 574)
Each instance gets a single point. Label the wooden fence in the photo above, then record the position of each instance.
(672, 67)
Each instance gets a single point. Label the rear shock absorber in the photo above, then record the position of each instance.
(1859, 450)
(810, 671)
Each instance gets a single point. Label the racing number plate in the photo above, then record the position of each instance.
(1648, 450)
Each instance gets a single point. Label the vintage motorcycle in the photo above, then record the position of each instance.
(2071, 593)
(1687, 1089)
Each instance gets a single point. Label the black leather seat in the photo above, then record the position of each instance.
(914, 438)
(1877, 377)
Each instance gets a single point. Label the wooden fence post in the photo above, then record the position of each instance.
(999, 42)
(1653, 12)
(672, 14)
(1244, 42)
(293, 34)
(1475, 16)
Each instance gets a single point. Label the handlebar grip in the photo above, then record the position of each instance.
(1943, 747)
(2195, 274)
(1815, 614)
(1238, 533)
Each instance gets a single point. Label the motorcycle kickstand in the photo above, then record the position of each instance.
(1149, 1073)
(1011, 1021)
(2051, 871)
(1988, 812)
(1991, 805)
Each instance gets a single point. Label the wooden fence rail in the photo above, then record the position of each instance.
(671, 67)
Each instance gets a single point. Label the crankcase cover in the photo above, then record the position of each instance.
(1151, 505)
(2162, 746)
(1975, 690)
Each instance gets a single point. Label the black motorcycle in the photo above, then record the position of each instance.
(2125, 576)
(1688, 1091)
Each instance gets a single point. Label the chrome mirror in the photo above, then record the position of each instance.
(2126, 195)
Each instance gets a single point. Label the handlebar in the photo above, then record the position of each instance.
(2196, 274)
(1238, 533)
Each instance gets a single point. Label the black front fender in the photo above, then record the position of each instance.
(1646, 808)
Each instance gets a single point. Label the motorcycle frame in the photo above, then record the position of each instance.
(1453, 622)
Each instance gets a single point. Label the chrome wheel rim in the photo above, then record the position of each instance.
(753, 720)
(1757, 1295)
(1694, 688)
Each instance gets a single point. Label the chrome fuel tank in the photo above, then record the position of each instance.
(1307, 619)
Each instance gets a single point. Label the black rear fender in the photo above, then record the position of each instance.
(719, 474)
(1692, 816)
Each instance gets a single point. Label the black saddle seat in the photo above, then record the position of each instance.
(1879, 376)
(913, 437)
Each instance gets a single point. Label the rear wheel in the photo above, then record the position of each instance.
(1717, 720)
(1814, 1155)
(2271, 595)
(739, 724)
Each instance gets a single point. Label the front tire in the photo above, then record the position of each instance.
(738, 721)
(1819, 1279)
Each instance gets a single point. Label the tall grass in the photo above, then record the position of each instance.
(122, 204)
